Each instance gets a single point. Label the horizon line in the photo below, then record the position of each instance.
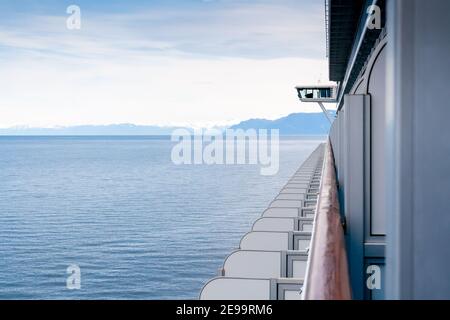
(162, 126)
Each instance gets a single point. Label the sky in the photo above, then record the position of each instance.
(197, 63)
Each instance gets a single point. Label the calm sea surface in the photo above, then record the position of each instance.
(138, 226)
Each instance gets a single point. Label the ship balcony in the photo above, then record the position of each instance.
(296, 249)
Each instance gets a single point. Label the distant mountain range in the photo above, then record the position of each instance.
(293, 124)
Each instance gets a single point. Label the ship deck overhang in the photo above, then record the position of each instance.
(350, 42)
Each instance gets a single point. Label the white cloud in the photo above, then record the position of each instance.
(117, 71)
(153, 91)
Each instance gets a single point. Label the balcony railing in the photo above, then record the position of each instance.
(327, 276)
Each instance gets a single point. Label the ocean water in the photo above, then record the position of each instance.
(138, 226)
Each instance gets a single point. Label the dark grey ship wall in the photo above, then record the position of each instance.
(391, 141)
(357, 138)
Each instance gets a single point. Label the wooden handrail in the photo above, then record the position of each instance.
(327, 276)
